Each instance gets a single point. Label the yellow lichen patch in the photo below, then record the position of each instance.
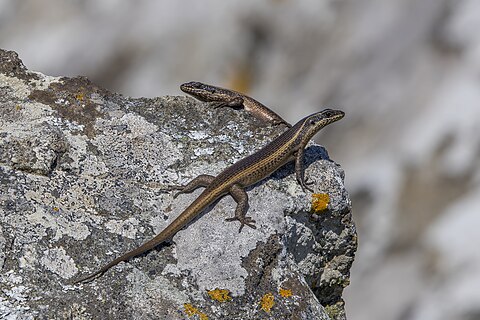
(285, 292)
(267, 302)
(18, 107)
(221, 295)
(80, 96)
(190, 310)
(320, 201)
(56, 209)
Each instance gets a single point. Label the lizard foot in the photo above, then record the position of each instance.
(178, 193)
(218, 105)
(305, 185)
(245, 221)
(176, 188)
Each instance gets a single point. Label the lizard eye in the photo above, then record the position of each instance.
(312, 122)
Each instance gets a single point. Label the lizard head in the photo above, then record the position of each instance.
(200, 90)
(313, 123)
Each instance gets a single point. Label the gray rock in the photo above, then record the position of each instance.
(84, 176)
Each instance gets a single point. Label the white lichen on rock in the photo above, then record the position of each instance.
(86, 175)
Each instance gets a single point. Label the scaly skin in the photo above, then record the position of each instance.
(230, 98)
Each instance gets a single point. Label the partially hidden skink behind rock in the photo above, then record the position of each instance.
(230, 98)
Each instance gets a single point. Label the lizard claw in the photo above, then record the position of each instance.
(177, 194)
(281, 122)
(245, 221)
(173, 188)
(308, 182)
(219, 105)
(305, 185)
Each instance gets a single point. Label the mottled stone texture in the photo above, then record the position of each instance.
(84, 175)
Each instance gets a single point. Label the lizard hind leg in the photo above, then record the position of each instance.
(235, 103)
(202, 181)
(241, 197)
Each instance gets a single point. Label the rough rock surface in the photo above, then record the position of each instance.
(84, 175)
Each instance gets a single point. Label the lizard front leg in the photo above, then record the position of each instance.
(202, 181)
(241, 198)
(236, 102)
(300, 170)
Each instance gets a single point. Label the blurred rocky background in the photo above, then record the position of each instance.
(407, 73)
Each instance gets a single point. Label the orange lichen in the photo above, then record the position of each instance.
(190, 310)
(80, 96)
(320, 201)
(285, 292)
(221, 295)
(56, 209)
(267, 302)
